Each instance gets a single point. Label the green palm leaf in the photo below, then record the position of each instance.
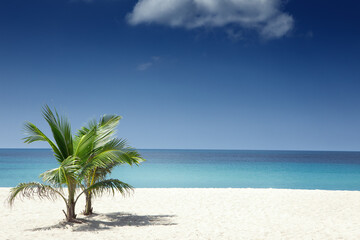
(32, 190)
(34, 134)
(64, 174)
(118, 151)
(61, 130)
(106, 130)
(110, 186)
(84, 144)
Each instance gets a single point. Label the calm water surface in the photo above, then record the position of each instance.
(208, 168)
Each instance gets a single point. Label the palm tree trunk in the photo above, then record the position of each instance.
(70, 206)
(88, 206)
(70, 215)
(88, 194)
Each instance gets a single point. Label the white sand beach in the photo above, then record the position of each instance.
(192, 214)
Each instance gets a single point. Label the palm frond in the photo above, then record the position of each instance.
(110, 186)
(110, 120)
(106, 130)
(84, 130)
(95, 135)
(32, 190)
(112, 154)
(84, 144)
(61, 130)
(66, 172)
(116, 144)
(132, 156)
(118, 150)
(34, 134)
(127, 157)
(102, 160)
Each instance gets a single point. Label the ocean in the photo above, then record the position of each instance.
(208, 169)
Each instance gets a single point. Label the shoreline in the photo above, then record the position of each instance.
(192, 213)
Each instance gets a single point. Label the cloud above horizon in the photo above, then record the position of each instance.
(147, 65)
(263, 16)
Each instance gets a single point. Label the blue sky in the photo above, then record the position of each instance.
(186, 74)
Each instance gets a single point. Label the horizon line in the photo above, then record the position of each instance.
(209, 149)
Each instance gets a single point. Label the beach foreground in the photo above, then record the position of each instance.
(192, 214)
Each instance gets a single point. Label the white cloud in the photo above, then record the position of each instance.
(264, 16)
(278, 26)
(146, 65)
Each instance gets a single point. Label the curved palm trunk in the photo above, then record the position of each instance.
(88, 207)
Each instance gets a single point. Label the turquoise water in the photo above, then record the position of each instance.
(209, 168)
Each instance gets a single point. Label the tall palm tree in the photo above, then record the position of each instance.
(106, 153)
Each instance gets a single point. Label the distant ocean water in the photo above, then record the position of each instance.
(208, 169)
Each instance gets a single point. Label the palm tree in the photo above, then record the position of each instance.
(77, 156)
(55, 179)
(106, 153)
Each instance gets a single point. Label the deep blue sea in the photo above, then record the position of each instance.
(208, 168)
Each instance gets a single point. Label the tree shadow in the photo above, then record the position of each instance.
(97, 222)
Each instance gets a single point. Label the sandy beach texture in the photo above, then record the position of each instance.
(192, 214)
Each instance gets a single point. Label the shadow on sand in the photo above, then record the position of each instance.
(97, 222)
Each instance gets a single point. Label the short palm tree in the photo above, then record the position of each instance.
(55, 179)
(106, 153)
(76, 158)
